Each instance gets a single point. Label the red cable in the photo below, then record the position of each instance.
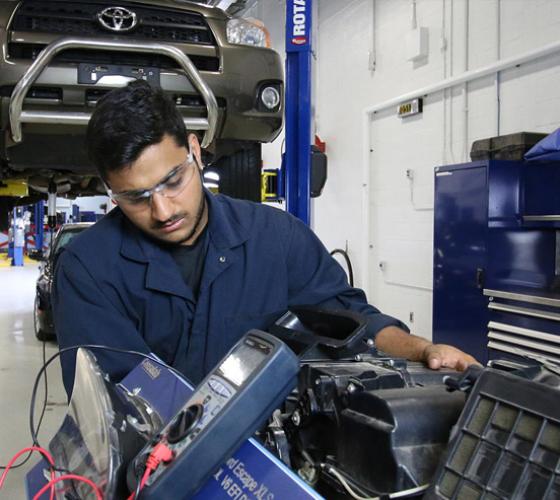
(160, 453)
(145, 477)
(43, 452)
(75, 477)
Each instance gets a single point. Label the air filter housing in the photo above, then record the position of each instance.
(507, 441)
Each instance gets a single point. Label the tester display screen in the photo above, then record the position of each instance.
(243, 361)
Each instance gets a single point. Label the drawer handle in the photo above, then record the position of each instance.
(526, 332)
(521, 297)
(541, 218)
(516, 341)
(524, 311)
(498, 346)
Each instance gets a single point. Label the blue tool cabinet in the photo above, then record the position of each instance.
(497, 259)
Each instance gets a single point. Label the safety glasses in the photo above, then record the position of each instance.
(171, 186)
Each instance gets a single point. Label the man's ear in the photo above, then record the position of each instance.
(194, 148)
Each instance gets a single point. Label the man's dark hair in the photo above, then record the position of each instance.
(126, 121)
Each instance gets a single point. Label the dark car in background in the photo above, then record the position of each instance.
(42, 309)
(59, 57)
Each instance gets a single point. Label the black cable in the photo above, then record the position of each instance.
(73, 348)
(46, 388)
(139, 483)
(344, 254)
(45, 355)
(45, 400)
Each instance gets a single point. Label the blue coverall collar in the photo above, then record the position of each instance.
(225, 232)
(224, 229)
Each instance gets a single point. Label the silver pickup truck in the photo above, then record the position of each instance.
(59, 57)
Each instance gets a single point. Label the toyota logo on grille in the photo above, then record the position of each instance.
(117, 19)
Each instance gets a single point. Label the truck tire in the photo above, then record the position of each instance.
(240, 173)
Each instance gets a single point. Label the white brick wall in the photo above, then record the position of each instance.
(399, 235)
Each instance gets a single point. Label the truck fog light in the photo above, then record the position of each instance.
(270, 97)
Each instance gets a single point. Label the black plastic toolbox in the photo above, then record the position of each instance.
(505, 147)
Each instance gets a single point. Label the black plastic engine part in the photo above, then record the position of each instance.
(382, 423)
(314, 333)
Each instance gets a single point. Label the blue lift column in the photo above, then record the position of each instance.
(75, 212)
(39, 225)
(298, 108)
(19, 236)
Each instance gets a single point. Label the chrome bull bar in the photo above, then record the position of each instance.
(19, 116)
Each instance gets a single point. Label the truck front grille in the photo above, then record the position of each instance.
(31, 51)
(81, 18)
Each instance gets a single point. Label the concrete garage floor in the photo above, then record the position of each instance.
(20, 360)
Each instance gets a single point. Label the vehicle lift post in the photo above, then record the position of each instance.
(298, 108)
(39, 225)
(19, 236)
(52, 206)
(75, 212)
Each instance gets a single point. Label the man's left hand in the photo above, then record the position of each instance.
(437, 356)
(396, 342)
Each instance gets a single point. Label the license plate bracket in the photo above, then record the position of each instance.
(91, 74)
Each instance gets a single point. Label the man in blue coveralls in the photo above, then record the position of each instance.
(183, 273)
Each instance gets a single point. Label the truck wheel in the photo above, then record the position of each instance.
(240, 173)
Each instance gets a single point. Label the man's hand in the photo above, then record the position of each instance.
(437, 356)
(397, 342)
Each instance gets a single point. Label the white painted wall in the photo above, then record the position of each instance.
(374, 212)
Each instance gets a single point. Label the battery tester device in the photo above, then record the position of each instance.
(226, 408)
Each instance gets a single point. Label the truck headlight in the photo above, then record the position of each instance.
(245, 32)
